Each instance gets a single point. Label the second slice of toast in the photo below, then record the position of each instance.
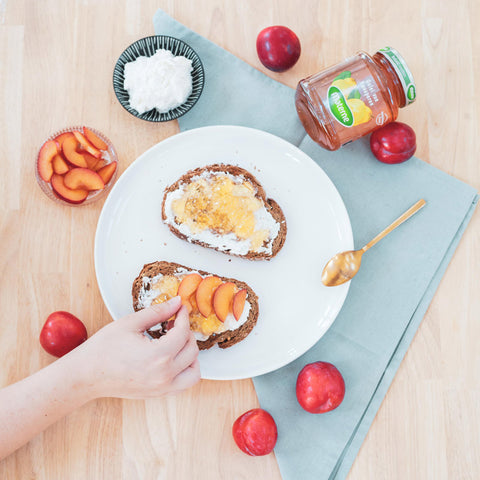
(148, 287)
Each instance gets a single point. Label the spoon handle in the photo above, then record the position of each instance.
(411, 211)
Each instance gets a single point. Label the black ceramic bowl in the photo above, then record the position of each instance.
(147, 47)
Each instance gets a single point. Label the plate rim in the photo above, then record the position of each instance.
(173, 138)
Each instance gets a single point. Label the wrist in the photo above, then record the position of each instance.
(79, 375)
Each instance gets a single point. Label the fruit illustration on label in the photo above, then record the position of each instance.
(345, 84)
(361, 113)
(345, 103)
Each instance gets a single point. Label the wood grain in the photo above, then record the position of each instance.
(56, 62)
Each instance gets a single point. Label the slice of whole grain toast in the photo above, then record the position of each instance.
(271, 206)
(224, 339)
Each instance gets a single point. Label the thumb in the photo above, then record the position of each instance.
(148, 317)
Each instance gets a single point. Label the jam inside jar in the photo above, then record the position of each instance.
(355, 97)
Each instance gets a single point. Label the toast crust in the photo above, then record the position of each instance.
(224, 339)
(271, 205)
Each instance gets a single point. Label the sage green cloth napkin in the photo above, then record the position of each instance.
(390, 295)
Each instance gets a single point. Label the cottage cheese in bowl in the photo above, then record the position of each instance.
(162, 81)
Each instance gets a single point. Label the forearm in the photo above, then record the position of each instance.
(31, 405)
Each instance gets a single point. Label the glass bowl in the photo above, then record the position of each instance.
(109, 156)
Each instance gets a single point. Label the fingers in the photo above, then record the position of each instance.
(178, 336)
(187, 355)
(188, 378)
(148, 317)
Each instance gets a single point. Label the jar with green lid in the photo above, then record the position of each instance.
(355, 97)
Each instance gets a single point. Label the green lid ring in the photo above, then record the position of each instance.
(403, 72)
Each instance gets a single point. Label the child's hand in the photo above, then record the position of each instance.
(122, 362)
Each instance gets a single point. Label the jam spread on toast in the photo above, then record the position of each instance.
(223, 206)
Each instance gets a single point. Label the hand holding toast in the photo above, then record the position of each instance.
(118, 361)
(122, 362)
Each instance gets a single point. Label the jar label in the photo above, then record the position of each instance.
(345, 103)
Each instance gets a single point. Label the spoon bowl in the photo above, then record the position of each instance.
(342, 267)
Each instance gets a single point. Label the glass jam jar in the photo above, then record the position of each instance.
(355, 97)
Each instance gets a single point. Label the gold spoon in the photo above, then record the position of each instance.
(344, 266)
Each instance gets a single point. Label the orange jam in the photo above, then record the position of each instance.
(205, 325)
(355, 97)
(168, 286)
(221, 205)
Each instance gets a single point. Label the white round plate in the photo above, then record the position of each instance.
(296, 309)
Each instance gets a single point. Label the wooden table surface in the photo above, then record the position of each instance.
(56, 62)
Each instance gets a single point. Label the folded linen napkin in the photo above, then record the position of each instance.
(390, 295)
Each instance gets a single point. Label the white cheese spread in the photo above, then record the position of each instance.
(162, 81)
